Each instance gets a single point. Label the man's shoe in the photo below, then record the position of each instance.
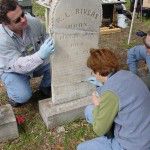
(13, 103)
(46, 91)
(41, 93)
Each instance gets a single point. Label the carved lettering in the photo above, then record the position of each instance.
(87, 12)
(93, 14)
(59, 19)
(65, 37)
(77, 11)
(80, 25)
(67, 15)
(96, 16)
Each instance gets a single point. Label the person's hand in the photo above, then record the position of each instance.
(95, 98)
(46, 49)
(93, 81)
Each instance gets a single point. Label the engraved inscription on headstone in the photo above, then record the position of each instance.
(69, 67)
(76, 15)
(75, 28)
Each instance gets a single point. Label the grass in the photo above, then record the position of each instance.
(37, 9)
(34, 135)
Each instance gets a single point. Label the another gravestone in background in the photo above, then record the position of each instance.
(8, 125)
(74, 26)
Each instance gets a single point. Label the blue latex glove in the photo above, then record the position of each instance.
(93, 81)
(46, 49)
(98, 89)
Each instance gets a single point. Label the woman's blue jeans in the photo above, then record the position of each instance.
(99, 143)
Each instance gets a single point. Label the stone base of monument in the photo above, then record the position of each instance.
(8, 124)
(56, 115)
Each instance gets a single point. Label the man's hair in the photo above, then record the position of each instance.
(103, 61)
(5, 7)
(146, 40)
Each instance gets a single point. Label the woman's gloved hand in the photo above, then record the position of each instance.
(46, 49)
(93, 81)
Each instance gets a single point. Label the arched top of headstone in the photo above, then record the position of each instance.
(85, 15)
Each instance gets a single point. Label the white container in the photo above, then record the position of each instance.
(122, 21)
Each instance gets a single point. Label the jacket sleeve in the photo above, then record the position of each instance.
(25, 64)
(104, 114)
(134, 55)
(11, 59)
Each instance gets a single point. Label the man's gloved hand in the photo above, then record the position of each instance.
(93, 81)
(141, 33)
(46, 48)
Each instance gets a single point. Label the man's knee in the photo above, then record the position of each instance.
(81, 146)
(17, 87)
(88, 113)
(90, 145)
(88, 109)
(22, 97)
(87, 145)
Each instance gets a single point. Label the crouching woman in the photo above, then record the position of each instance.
(124, 101)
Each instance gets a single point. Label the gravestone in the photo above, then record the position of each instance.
(8, 125)
(74, 25)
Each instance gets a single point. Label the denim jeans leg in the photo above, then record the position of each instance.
(17, 86)
(46, 80)
(100, 143)
(89, 113)
(46, 73)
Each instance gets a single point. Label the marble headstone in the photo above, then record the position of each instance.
(8, 124)
(74, 25)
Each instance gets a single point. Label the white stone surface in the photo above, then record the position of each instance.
(69, 68)
(75, 28)
(76, 14)
(8, 125)
(57, 115)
